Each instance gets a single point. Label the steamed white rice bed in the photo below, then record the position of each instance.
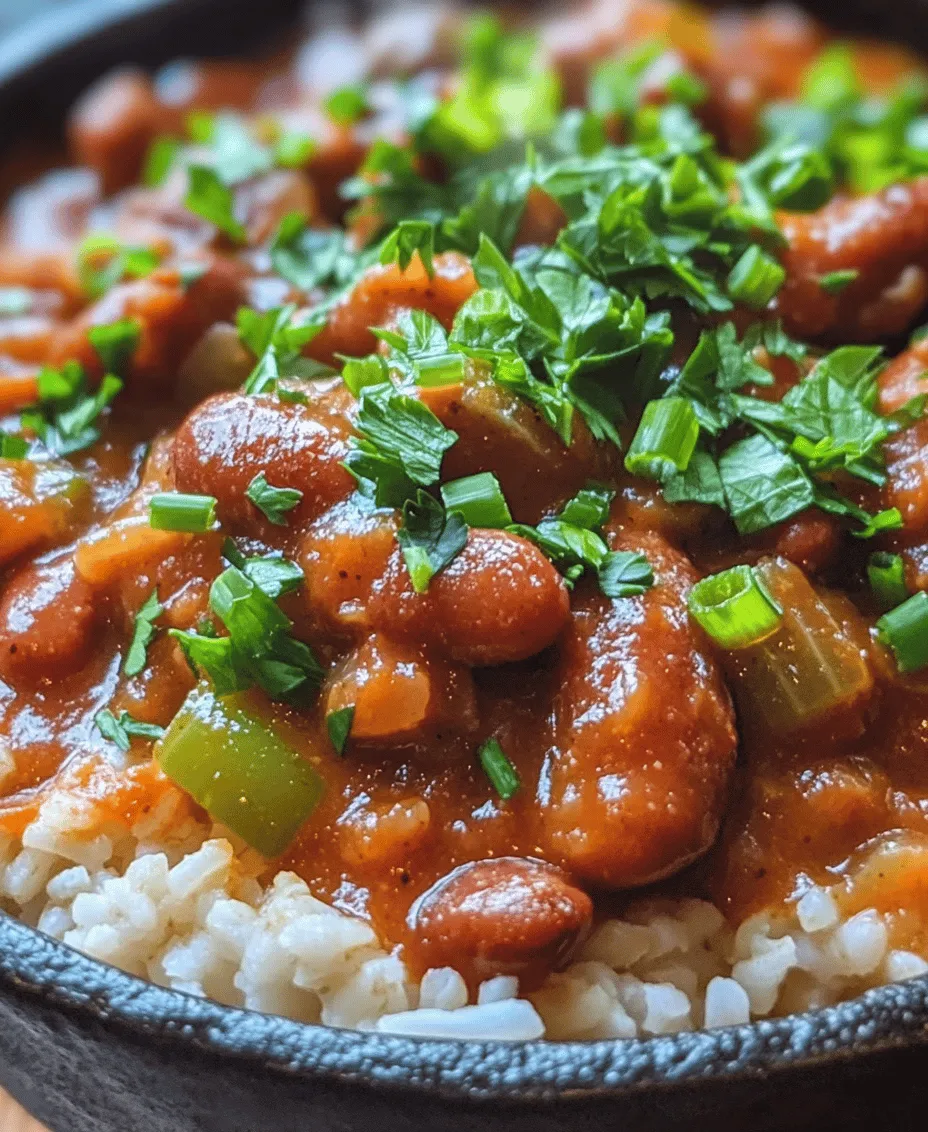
(178, 902)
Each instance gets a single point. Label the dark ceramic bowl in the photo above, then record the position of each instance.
(87, 1048)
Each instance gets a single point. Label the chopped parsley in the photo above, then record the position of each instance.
(347, 104)
(124, 729)
(573, 541)
(272, 502)
(259, 649)
(338, 725)
(115, 343)
(102, 262)
(400, 446)
(66, 417)
(430, 538)
(208, 196)
(142, 635)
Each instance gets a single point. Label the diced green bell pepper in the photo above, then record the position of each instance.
(239, 770)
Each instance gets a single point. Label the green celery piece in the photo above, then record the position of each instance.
(240, 770)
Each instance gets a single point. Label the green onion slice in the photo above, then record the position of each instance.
(905, 630)
(174, 511)
(755, 278)
(240, 770)
(734, 608)
(478, 499)
(440, 369)
(499, 769)
(665, 440)
(886, 573)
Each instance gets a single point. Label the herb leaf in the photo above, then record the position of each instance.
(273, 502)
(123, 730)
(625, 573)
(208, 196)
(429, 538)
(142, 634)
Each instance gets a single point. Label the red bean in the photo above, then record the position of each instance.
(47, 621)
(385, 290)
(499, 600)
(884, 237)
(509, 916)
(644, 736)
(231, 437)
(113, 124)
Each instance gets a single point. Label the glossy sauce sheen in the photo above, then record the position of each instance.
(616, 715)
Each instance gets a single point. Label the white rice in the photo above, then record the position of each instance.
(179, 903)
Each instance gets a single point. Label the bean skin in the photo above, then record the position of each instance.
(883, 236)
(231, 437)
(112, 125)
(507, 916)
(382, 292)
(644, 736)
(47, 620)
(500, 600)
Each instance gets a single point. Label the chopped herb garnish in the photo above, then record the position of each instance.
(175, 511)
(401, 446)
(347, 104)
(67, 414)
(734, 607)
(210, 198)
(625, 573)
(309, 257)
(409, 238)
(13, 447)
(273, 502)
(259, 649)
(293, 149)
(124, 729)
(430, 538)
(834, 282)
(755, 278)
(338, 724)
(142, 634)
(102, 262)
(665, 440)
(905, 630)
(886, 573)
(161, 157)
(478, 499)
(115, 343)
(498, 768)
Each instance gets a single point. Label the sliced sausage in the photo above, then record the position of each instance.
(509, 916)
(644, 735)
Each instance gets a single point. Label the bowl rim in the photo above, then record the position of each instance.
(34, 966)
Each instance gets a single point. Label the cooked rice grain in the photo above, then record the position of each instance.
(180, 903)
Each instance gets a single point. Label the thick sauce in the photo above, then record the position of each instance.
(617, 715)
